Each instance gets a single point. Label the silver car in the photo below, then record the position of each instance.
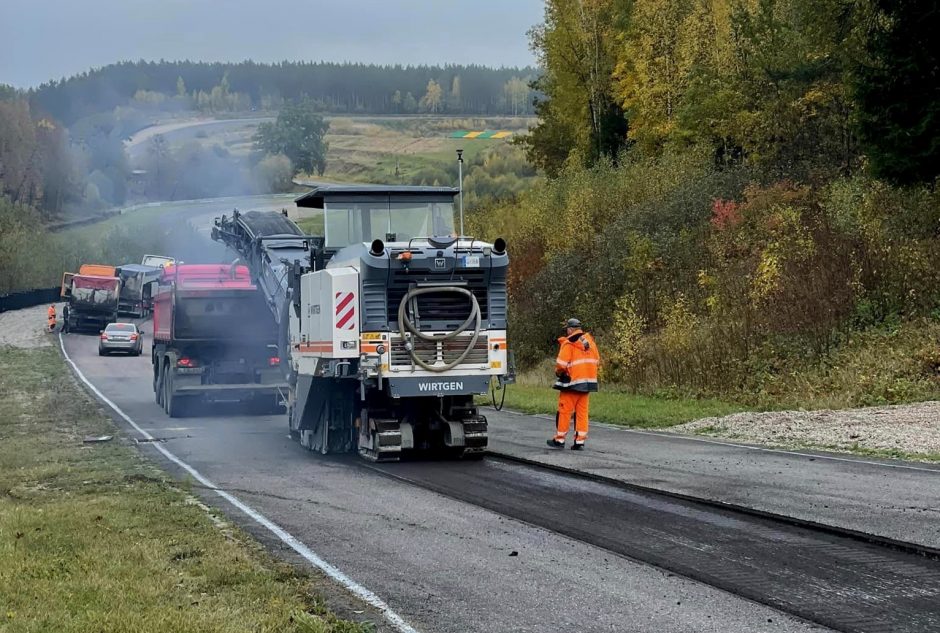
(120, 337)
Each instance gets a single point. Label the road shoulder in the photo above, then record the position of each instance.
(91, 519)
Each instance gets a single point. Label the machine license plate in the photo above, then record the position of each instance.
(471, 261)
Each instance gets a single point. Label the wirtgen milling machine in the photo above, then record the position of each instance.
(393, 325)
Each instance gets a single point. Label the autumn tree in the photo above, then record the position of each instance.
(777, 95)
(579, 112)
(517, 93)
(666, 44)
(20, 158)
(433, 98)
(455, 99)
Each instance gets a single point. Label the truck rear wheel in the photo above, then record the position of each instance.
(173, 404)
(158, 385)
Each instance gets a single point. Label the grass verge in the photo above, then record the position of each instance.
(95, 538)
(618, 407)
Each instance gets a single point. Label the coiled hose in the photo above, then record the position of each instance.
(405, 324)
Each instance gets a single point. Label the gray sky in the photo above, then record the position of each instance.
(49, 39)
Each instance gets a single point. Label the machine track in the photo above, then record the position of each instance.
(836, 580)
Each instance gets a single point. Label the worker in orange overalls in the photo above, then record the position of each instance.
(50, 313)
(576, 371)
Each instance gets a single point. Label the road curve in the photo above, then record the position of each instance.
(178, 130)
(442, 564)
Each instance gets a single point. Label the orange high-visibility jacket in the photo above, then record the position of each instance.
(51, 312)
(578, 358)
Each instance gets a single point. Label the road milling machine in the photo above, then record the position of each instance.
(391, 321)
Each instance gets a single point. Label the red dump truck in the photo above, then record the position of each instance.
(214, 339)
(91, 297)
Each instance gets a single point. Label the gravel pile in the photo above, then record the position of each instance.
(912, 428)
(26, 328)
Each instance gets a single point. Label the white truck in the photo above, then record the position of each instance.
(391, 323)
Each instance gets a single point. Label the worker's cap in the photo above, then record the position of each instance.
(572, 323)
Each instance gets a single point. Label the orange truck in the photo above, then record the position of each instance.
(98, 270)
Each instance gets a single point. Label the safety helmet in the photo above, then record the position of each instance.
(573, 323)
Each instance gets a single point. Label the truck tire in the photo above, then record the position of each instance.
(173, 404)
(157, 375)
(158, 389)
(163, 378)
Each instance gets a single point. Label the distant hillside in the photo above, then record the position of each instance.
(347, 88)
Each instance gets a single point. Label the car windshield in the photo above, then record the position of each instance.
(121, 327)
(350, 222)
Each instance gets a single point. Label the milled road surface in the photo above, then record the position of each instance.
(896, 500)
(830, 579)
(443, 564)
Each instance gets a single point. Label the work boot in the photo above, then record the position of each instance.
(577, 446)
(555, 443)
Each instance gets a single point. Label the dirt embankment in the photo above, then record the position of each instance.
(26, 328)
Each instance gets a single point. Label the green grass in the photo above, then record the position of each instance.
(373, 150)
(619, 407)
(95, 538)
(311, 225)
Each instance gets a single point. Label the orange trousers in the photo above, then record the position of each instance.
(572, 402)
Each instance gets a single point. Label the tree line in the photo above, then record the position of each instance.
(799, 88)
(334, 87)
(742, 197)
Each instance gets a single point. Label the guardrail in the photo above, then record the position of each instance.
(29, 298)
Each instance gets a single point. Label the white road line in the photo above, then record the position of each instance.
(309, 555)
(763, 449)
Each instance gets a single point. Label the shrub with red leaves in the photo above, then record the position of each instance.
(725, 214)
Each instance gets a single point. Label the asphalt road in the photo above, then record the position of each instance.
(441, 563)
(179, 131)
(891, 499)
(827, 578)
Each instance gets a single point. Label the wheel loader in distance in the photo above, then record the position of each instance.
(390, 321)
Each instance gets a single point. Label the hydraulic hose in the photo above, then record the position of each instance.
(405, 324)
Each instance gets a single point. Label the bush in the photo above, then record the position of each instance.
(708, 281)
(274, 174)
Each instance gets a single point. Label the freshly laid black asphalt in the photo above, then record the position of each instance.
(837, 581)
(895, 500)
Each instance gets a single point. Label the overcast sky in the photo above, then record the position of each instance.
(49, 39)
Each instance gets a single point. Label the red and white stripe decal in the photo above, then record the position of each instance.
(345, 311)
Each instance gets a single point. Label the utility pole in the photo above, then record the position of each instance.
(460, 179)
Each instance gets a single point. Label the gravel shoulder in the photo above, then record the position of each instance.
(26, 328)
(910, 431)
